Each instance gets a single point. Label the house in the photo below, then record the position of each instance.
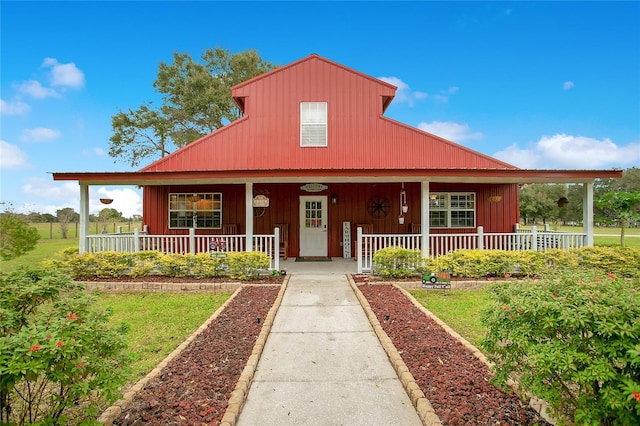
(314, 156)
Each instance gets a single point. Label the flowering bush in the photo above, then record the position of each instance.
(572, 340)
(56, 352)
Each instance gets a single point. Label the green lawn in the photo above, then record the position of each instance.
(45, 249)
(158, 322)
(460, 309)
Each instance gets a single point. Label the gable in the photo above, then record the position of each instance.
(267, 137)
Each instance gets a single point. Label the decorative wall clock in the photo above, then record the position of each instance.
(378, 207)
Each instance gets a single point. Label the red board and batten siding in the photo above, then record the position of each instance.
(351, 207)
(359, 137)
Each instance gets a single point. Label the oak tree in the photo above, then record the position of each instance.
(196, 100)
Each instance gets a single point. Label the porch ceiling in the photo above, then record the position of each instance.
(288, 176)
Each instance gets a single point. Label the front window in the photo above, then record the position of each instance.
(313, 124)
(452, 210)
(199, 210)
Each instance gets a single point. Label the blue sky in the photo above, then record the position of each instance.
(537, 84)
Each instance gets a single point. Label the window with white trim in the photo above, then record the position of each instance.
(199, 210)
(452, 210)
(313, 124)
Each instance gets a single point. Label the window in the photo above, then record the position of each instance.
(313, 124)
(190, 210)
(455, 210)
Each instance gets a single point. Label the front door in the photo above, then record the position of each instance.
(313, 225)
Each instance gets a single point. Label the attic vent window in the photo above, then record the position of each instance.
(313, 124)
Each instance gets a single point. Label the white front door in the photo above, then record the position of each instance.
(313, 225)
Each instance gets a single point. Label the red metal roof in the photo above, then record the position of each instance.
(359, 136)
(362, 143)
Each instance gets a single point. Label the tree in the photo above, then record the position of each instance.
(621, 206)
(196, 101)
(66, 216)
(106, 215)
(16, 236)
(539, 201)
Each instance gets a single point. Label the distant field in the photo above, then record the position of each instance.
(51, 231)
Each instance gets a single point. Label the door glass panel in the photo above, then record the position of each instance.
(313, 214)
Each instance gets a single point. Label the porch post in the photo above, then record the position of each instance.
(424, 218)
(248, 215)
(587, 212)
(84, 218)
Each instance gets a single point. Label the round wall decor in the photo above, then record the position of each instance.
(378, 207)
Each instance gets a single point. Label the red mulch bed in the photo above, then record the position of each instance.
(194, 388)
(451, 377)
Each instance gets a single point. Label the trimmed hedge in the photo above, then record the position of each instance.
(109, 264)
(397, 262)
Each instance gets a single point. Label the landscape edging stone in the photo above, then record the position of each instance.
(539, 405)
(420, 402)
(111, 413)
(239, 394)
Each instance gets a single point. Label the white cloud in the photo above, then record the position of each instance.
(36, 90)
(46, 189)
(40, 134)
(451, 131)
(404, 93)
(126, 200)
(51, 196)
(563, 151)
(12, 157)
(523, 158)
(567, 85)
(64, 75)
(99, 152)
(15, 107)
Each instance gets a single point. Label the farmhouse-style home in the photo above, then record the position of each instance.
(313, 168)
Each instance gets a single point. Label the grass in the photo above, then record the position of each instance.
(460, 309)
(45, 249)
(158, 322)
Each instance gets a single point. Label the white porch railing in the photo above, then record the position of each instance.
(183, 244)
(441, 244)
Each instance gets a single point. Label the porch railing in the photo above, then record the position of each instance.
(441, 244)
(183, 244)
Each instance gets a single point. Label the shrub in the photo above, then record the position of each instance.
(572, 340)
(620, 260)
(247, 265)
(397, 262)
(238, 265)
(56, 352)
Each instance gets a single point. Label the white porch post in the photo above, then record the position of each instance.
(587, 212)
(248, 219)
(424, 218)
(84, 218)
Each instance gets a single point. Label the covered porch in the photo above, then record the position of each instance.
(340, 214)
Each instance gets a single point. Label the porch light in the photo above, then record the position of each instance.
(563, 202)
(334, 198)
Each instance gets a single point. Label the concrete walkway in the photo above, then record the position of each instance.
(322, 363)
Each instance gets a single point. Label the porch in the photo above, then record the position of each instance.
(366, 244)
